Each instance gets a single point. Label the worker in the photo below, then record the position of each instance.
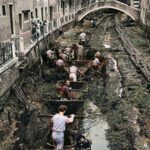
(82, 38)
(62, 55)
(112, 63)
(96, 63)
(73, 72)
(65, 90)
(60, 63)
(80, 52)
(50, 54)
(93, 24)
(59, 122)
(68, 52)
(97, 54)
(50, 58)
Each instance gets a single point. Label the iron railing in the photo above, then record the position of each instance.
(6, 52)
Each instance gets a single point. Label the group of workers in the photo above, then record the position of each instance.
(38, 28)
(59, 121)
(75, 52)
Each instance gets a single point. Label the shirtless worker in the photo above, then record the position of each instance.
(59, 126)
(73, 70)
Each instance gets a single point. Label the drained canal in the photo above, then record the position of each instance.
(115, 112)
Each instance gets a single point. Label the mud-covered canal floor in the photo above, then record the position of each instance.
(116, 111)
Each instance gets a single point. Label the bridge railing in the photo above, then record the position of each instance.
(114, 4)
(95, 1)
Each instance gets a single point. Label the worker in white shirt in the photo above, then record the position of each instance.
(96, 63)
(73, 70)
(67, 51)
(97, 54)
(82, 38)
(112, 64)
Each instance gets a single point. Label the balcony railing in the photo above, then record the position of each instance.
(6, 52)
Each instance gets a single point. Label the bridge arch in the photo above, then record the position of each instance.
(134, 13)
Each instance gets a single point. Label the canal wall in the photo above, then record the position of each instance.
(32, 55)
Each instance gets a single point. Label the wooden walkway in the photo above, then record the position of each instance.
(133, 52)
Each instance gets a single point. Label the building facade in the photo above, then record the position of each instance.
(16, 17)
(145, 12)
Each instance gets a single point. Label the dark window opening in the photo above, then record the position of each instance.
(42, 14)
(26, 15)
(51, 12)
(36, 12)
(11, 18)
(45, 12)
(20, 21)
(32, 15)
(3, 10)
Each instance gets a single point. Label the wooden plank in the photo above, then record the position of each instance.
(135, 55)
(65, 100)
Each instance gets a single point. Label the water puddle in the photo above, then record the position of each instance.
(95, 126)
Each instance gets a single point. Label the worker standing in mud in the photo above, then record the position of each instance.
(59, 126)
(73, 70)
(112, 64)
(49, 58)
(59, 65)
(96, 63)
(82, 38)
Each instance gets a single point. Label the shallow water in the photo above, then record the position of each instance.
(95, 126)
(97, 134)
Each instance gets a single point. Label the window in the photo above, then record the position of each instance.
(26, 15)
(45, 12)
(32, 14)
(51, 12)
(42, 13)
(4, 10)
(36, 12)
(0, 11)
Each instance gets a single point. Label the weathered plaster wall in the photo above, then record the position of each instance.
(145, 12)
(8, 77)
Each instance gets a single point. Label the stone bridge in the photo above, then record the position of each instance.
(134, 13)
